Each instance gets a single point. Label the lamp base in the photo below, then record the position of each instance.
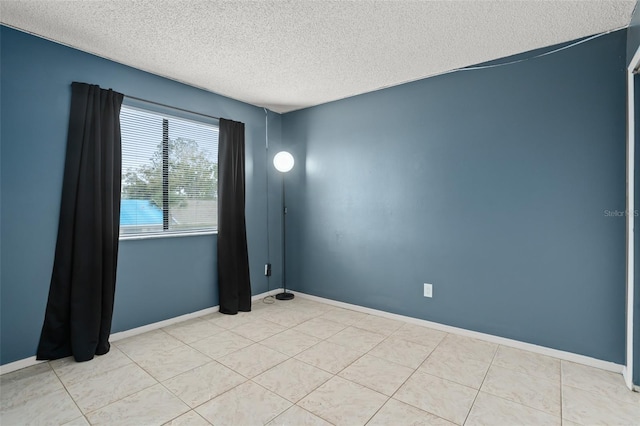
(284, 296)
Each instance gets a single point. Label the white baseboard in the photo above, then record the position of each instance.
(28, 362)
(19, 365)
(160, 324)
(563, 355)
(628, 380)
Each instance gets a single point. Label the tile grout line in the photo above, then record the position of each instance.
(293, 357)
(222, 393)
(524, 405)
(107, 371)
(353, 325)
(157, 382)
(415, 370)
(317, 415)
(68, 393)
(258, 384)
(180, 415)
(517, 402)
(495, 353)
(335, 375)
(278, 395)
(399, 387)
(528, 373)
(161, 382)
(599, 395)
(180, 399)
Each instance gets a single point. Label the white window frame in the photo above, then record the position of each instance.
(169, 113)
(628, 369)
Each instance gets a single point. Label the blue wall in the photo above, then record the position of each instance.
(491, 184)
(158, 278)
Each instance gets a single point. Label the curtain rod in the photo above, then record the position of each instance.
(171, 107)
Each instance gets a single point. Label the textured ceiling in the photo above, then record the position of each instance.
(287, 55)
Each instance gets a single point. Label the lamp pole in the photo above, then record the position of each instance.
(283, 162)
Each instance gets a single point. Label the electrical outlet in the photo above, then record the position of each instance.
(428, 290)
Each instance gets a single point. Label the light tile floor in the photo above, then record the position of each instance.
(300, 363)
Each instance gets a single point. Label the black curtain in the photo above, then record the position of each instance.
(234, 284)
(79, 310)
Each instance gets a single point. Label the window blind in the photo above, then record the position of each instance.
(169, 174)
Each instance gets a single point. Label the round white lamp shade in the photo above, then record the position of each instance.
(283, 161)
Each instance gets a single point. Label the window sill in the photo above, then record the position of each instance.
(166, 235)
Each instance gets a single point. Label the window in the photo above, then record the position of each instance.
(169, 174)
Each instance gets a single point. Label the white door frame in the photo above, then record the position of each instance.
(633, 65)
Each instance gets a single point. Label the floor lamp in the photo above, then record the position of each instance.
(283, 162)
